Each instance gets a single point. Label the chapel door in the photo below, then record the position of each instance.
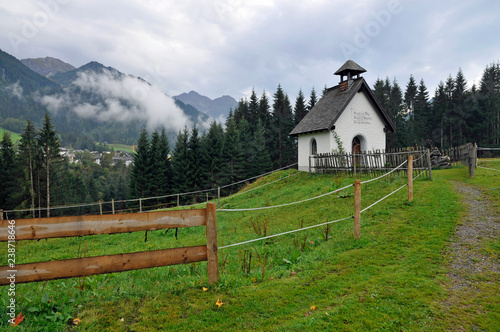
(356, 149)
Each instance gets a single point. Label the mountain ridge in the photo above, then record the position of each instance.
(216, 108)
(47, 66)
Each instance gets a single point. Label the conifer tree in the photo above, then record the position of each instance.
(49, 144)
(231, 154)
(300, 107)
(260, 158)
(140, 176)
(195, 175)
(422, 114)
(7, 172)
(180, 162)
(283, 151)
(213, 145)
(164, 163)
(312, 100)
(27, 158)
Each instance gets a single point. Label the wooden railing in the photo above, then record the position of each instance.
(44, 228)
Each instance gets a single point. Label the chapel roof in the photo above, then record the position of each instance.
(333, 102)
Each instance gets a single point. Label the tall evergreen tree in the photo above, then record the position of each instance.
(259, 155)
(231, 154)
(164, 163)
(49, 143)
(313, 99)
(196, 157)
(140, 177)
(409, 100)
(27, 158)
(213, 143)
(300, 107)
(253, 111)
(180, 161)
(422, 114)
(7, 172)
(282, 123)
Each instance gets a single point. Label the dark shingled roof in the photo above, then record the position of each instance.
(331, 105)
(350, 66)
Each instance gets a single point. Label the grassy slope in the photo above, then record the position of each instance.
(393, 278)
(14, 136)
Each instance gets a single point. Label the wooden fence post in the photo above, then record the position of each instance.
(100, 206)
(218, 197)
(429, 164)
(140, 204)
(410, 178)
(357, 209)
(1, 214)
(178, 200)
(212, 250)
(472, 160)
(113, 205)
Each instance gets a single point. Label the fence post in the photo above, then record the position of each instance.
(410, 178)
(100, 206)
(113, 205)
(140, 204)
(212, 250)
(218, 197)
(357, 209)
(472, 161)
(309, 165)
(354, 163)
(429, 164)
(178, 200)
(1, 214)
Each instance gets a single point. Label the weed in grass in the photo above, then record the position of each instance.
(260, 226)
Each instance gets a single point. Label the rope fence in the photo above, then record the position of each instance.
(410, 175)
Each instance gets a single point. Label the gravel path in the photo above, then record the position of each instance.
(478, 225)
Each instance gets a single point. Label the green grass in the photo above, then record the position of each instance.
(14, 136)
(122, 147)
(393, 278)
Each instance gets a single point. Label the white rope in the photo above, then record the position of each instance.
(284, 233)
(249, 190)
(375, 179)
(494, 149)
(491, 169)
(380, 200)
(258, 176)
(287, 204)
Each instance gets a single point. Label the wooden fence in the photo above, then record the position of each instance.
(465, 154)
(44, 228)
(369, 162)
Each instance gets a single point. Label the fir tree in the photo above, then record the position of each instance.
(300, 107)
(49, 144)
(27, 157)
(180, 161)
(213, 145)
(7, 172)
(140, 177)
(312, 100)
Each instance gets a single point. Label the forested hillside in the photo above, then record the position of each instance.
(89, 104)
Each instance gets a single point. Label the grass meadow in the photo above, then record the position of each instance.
(394, 278)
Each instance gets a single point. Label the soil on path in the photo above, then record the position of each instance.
(469, 261)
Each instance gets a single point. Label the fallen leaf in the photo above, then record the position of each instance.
(18, 319)
(313, 307)
(254, 280)
(76, 321)
(219, 303)
(204, 289)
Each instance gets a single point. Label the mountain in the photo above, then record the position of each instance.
(89, 104)
(66, 78)
(13, 71)
(215, 108)
(47, 66)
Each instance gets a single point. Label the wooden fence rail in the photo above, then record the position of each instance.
(369, 162)
(34, 229)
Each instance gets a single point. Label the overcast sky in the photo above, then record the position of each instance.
(228, 47)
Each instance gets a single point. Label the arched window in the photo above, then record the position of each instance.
(314, 147)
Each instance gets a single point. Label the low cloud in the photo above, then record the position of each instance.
(110, 96)
(15, 89)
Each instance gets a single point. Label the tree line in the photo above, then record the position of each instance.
(455, 115)
(253, 141)
(34, 176)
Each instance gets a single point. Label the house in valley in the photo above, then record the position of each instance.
(347, 114)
